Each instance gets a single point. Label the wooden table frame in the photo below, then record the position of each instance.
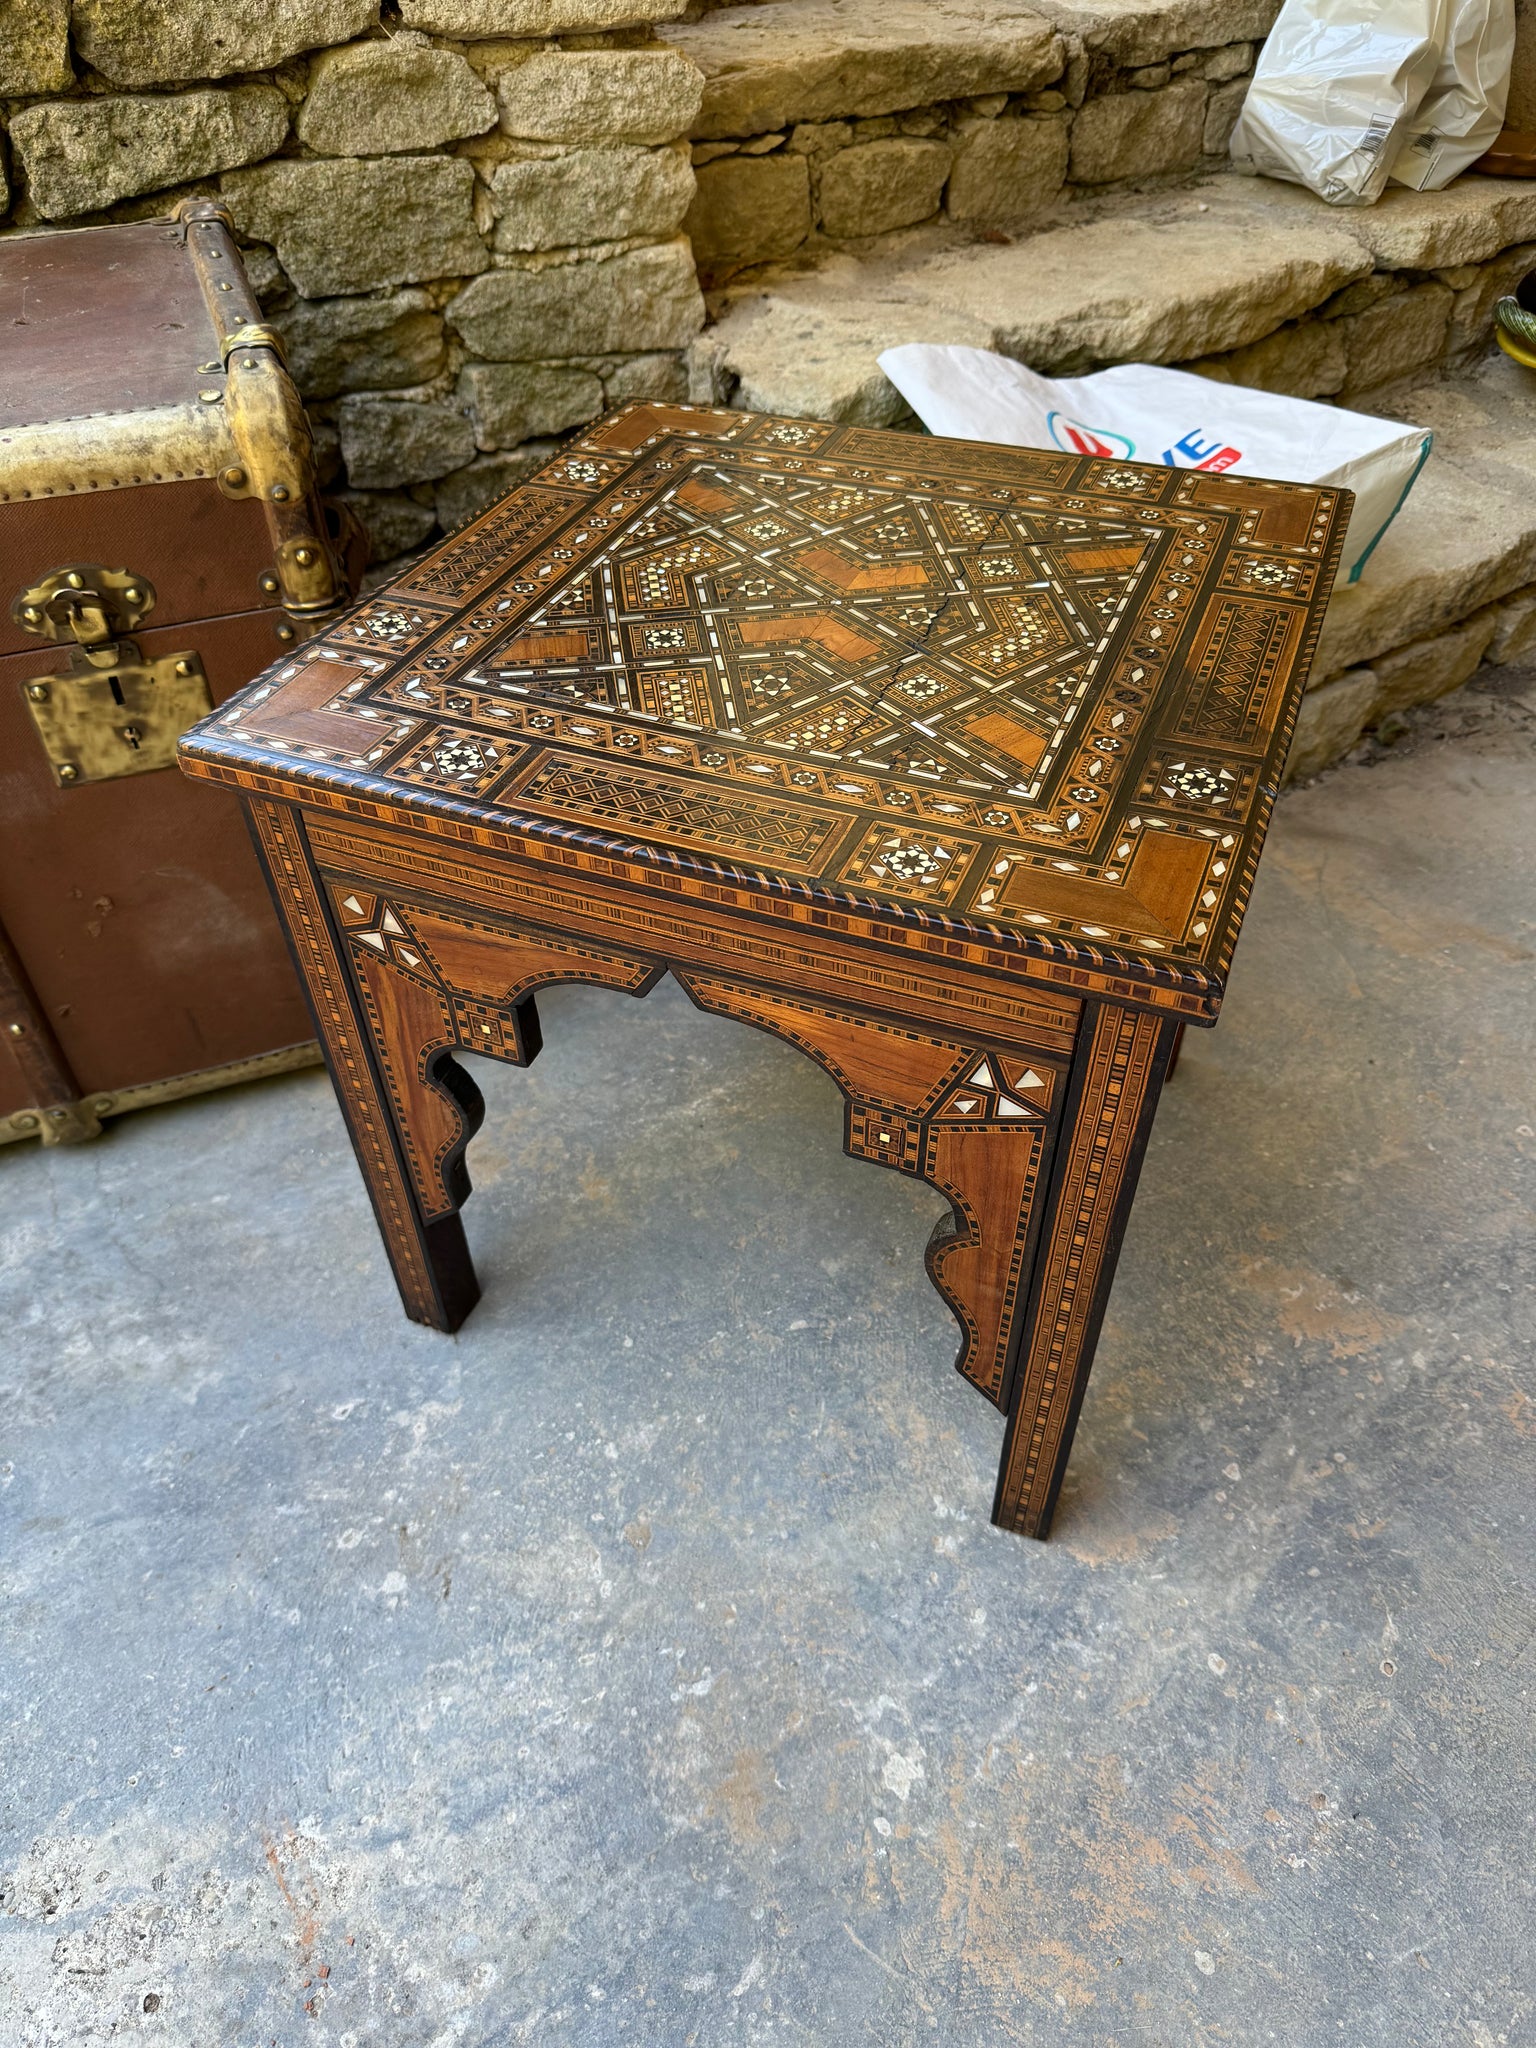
(1015, 1069)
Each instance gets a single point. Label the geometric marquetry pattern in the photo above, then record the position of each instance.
(1026, 694)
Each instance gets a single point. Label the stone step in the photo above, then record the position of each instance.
(828, 121)
(1245, 279)
(1453, 583)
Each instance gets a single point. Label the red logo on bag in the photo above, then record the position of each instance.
(1080, 440)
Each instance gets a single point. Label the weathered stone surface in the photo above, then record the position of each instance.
(388, 441)
(772, 65)
(748, 209)
(1221, 112)
(1467, 534)
(34, 47)
(1138, 134)
(1471, 221)
(149, 42)
(1186, 284)
(376, 99)
(876, 186)
(484, 18)
(1331, 720)
(601, 96)
(655, 376)
(1135, 32)
(1007, 170)
(1306, 361)
(512, 402)
(83, 154)
(349, 226)
(591, 305)
(1431, 668)
(591, 195)
(468, 491)
(383, 344)
(1395, 338)
(1231, 62)
(1514, 628)
(393, 522)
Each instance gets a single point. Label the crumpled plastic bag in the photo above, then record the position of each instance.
(1339, 85)
(1141, 412)
(1463, 111)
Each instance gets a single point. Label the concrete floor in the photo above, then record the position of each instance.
(640, 1667)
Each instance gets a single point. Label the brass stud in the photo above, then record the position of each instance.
(133, 595)
(26, 1121)
(304, 557)
(279, 494)
(184, 668)
(235, 478)
(38, 692)
(285, 631)
(102, 1106)
(268, 582)
(31, 614)
(17, 1030)
(68, 772)
(210, 397)
(75, 580)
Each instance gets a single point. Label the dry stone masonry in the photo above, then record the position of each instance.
(465, 218)
(479, 222)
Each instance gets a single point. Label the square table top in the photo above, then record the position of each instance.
(1029, 698)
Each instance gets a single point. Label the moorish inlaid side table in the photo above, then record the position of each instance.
(948, 763)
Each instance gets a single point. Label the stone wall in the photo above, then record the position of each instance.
(464, 219)
(793, 152)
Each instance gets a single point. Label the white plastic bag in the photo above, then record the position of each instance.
(1144, 413)
(1463, 111)
(1335, 92)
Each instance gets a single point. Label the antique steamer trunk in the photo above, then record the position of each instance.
(161, 541)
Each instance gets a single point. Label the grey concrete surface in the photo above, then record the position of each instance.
(640, 1667)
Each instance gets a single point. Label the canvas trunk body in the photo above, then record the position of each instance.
(161, 541)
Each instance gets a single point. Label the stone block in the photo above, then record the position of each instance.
(34, 47)
(381, 98)
(1232, 62)
(1471, 221)
(637, 300)
(473, 19)
(513, 402)
(345, 225)
(1139, 134)
(601, 96)
(654, 376)
(1331, 720)
(1431, 668)
(1514, 629)
(1007, 170)
(1136, 32)
(392, 522)
(876, 186)
(467, 493)
(1221, 111)
(1306, 361)
(81, 155)
(150, 42)
(818, 138)
(748, 209)
(375, 344)
(389, 441)
(591, 195)
(1184, 285)
(1395, 338)
(770, 66)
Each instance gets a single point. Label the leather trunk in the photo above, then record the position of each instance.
(161, 541)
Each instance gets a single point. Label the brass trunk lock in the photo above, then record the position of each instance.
(109, 712)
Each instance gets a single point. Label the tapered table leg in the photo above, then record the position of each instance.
(1116, 1080)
